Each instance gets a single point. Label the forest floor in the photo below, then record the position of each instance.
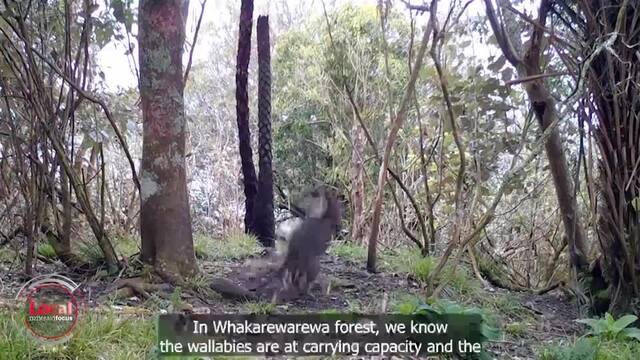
(122, 327)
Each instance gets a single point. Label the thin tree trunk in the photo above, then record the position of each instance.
(242, 111)
(264, 222)
(165, 218)
(543, 106)
(357, 182)
(386, 156)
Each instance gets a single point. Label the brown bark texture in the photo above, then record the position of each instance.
(264, 221)
(544, 108)
(242, 112)
(165, 218)
(357, 183)
(612, 28)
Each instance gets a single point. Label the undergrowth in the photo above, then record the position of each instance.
(606, 339)
(97, 336)
(235, 246)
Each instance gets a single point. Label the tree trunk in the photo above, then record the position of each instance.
(613, 83)
(544, 108)
(357, 182)
(165, 218)
(396, 124)
(242, 111)
(264, 222)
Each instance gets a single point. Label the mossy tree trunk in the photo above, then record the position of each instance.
(165, 218)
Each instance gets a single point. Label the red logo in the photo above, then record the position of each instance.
(51, 307)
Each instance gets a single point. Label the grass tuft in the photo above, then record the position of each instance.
(349, 250)
(235, 246)
(97, 336)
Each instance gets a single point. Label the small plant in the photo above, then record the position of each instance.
(610, 329)
(349, 250)
(488, 330)
(583, 349)
(200, 249)
(235, 246)
(423, 268)
(46, 251)
(516, 329)
(261, 308)
(176, 298)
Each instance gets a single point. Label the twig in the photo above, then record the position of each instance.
(104, 108)
(193, 44)
(534, 78)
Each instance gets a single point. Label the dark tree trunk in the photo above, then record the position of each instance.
(264, 222)
(165, 219)
(613, 83)
(242, 110)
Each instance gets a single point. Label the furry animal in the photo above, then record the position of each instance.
(309, 240)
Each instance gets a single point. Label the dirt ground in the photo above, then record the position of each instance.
(540, 319)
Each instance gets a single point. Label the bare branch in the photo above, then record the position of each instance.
(193, 44)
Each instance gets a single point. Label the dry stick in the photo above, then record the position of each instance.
(104, 108)
(429, 241)
(435, 56)
(383, 12)
(395, 127)
(395, 176)
(193, 44)
(371, 143)
(489, 214)
(55, 141)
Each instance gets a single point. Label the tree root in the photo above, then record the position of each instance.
(229, 290)
(126, 288)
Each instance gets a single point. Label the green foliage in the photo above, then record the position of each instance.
(46, 251)
(423, 267)
(581, 350)
(607, 339)
(349, 250)
(488, 330)
(236, 246)
(175, 298)
(407, 306)
(505, 304)
(126, 246)
(592, 349)
(610, 329)
(312, 116)
(410, 261)
(90, 252)
(516, 329)
(261, 308)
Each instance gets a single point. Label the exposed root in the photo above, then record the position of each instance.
(126, 288)
(230, 290)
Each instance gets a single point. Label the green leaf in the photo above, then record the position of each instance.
(610, 320)
(596, 325)
(633, 333)
(624, 321)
